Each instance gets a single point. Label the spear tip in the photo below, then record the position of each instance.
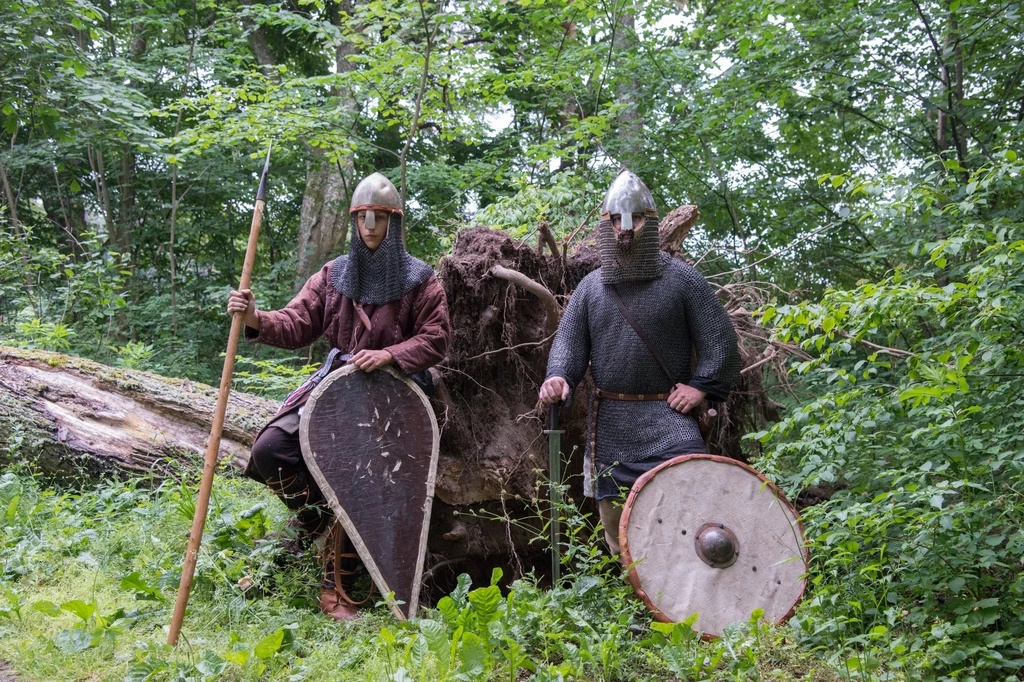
(261, 193)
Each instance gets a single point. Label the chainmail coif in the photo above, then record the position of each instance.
(639, 261)
(679, 312)
(376, 277)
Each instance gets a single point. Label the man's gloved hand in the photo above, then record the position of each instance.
(684, 398)
(554, 390)
(369, 360)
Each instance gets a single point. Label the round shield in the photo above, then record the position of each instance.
(370, 439)
(709, 535)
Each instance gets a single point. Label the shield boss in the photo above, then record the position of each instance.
(709, 535)
(371, 442)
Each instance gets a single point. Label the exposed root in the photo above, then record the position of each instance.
(554, 313)
(492, 446)
(675, 226)
(545, 237)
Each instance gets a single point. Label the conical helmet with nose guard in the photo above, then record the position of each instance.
(629, 249)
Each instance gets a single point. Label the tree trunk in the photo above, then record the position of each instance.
(568, 112)
(12, 208)
(324, 221)
(102, 191)
(126, 188)
(74, 416)
(261, 49)
(633, 142)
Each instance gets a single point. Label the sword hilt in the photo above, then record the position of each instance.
(553, 418)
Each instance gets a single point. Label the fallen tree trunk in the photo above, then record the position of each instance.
(71, 417)
(75, 419)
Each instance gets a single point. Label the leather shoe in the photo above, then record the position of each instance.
(335, 608)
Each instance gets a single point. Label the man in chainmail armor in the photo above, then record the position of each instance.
(377, 306)
(637, 321)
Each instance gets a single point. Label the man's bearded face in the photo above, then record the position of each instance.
(625, 237)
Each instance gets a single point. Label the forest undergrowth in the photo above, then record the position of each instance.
(88, 579)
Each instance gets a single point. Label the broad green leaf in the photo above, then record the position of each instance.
(79, 608)
(448, 609)
(472, 656)
(436, 637)
(47, 607)
(485, 602)
(73, 640)
(269, 645)
(211, 664)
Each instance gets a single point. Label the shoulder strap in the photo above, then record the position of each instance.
(639, 332)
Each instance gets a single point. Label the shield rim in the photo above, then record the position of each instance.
(339, 511)
(627, 559)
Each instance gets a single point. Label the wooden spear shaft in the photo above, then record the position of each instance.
(213, 445)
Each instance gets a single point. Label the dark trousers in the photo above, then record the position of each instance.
(277, 461)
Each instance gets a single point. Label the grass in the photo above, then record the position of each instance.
(88, 578)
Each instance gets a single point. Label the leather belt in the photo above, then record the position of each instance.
(599, 395)
(703, 417)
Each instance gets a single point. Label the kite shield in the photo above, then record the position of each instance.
(371, 442)
(709, 535)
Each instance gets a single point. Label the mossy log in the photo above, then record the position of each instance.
(71, 417)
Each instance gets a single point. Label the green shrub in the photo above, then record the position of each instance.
(919, 420)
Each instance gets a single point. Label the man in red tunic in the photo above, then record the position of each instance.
(377, 306)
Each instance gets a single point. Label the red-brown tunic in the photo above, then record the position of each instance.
(414, 329)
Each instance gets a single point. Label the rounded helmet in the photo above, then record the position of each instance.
(375, 193)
